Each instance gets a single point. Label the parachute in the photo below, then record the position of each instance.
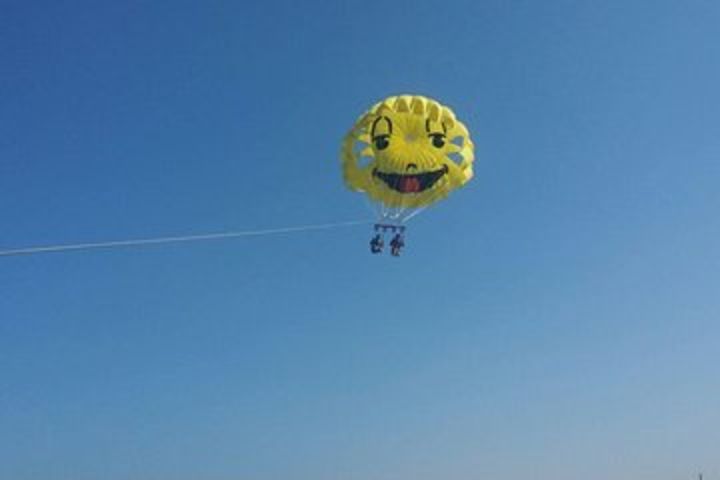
(406, 153)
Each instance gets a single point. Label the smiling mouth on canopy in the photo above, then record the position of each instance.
(411, 182)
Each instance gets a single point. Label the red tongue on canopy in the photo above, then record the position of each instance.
(409, 184)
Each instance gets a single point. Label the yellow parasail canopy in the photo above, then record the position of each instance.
(407, 152)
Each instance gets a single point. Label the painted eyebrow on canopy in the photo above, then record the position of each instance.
(374, 125)
(427, 127)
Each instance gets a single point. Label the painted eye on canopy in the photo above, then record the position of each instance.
(438, 139)
(381, 141)
(380, 132)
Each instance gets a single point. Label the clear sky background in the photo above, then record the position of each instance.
(556, 319)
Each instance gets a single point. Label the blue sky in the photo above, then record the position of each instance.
(556, 319)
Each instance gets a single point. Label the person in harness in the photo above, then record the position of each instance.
(377, 244)
(396, 245)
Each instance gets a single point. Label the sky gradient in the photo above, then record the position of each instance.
(555, 319)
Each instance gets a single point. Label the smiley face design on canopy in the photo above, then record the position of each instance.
(407, 152)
